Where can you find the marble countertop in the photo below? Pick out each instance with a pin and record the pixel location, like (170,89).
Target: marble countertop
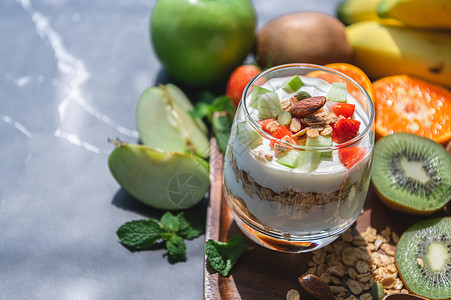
(71,75)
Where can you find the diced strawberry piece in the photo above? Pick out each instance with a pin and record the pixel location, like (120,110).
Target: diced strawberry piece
(345,130)
(350,156)
(344,109)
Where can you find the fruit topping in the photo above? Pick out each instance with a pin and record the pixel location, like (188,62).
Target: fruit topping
(351,156)
(292,84)
(337,92)
(258,90)
(268,105)
(343,109)
(345,130)
(319,141)
(284,118)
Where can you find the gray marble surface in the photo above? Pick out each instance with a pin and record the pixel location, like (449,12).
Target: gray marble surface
(71,74)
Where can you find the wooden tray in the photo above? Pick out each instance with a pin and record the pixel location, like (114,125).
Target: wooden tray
(267,274)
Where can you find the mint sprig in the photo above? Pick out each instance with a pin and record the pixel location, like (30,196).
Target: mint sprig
(222,256)
(219,113)
(172,230)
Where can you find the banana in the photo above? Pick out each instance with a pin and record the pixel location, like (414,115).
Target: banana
(431,14)
(382,50)
(352,11)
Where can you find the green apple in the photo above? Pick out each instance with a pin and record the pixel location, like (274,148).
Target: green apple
(200,42)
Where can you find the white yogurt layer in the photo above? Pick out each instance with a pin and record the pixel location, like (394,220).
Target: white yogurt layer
(326,178)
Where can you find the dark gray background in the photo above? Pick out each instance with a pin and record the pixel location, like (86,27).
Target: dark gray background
(71,74)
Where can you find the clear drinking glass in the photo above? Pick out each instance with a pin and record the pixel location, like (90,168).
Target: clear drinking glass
(303,201)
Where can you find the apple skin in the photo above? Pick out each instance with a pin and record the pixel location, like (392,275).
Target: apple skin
(200,42)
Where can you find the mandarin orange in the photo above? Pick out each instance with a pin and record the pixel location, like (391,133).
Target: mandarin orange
(408,104)
(352,71)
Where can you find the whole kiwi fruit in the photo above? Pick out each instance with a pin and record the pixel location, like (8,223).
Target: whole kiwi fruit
(423,258)
(411,173)
(302,37)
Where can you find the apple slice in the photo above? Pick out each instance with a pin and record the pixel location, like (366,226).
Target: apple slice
(320,141)
(292,84)
(163,122)
(268,105)
(337,92)
(182,102)
(258,90)
(301,160)
(163,180)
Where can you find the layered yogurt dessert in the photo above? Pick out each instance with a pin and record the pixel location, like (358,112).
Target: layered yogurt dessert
(298,161)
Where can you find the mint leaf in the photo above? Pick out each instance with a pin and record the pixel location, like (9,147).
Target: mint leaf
(222,256)
(139,234)
(176,247)
(169,222)
(201,110)
(206,110)
(221,123)
(192,224)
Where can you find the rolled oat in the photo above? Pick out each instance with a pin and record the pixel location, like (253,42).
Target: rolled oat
(353,263)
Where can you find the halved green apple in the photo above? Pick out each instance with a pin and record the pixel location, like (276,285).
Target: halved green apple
(163,180)
(163,122)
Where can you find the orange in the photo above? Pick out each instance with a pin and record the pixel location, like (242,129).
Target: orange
(353,72)
(408,104)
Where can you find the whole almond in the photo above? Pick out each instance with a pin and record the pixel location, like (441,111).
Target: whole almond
(316,287)
(307,106)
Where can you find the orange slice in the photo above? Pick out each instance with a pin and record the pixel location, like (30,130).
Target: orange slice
(407,104)
(353,72)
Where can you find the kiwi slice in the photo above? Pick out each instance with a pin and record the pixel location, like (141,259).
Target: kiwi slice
(411,173)
(423,258)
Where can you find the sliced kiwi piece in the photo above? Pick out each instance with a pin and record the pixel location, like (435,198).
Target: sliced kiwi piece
(163,180)
(411,173)
(337,92)
(423,258)
(163,121)
(268,105)
(284,118)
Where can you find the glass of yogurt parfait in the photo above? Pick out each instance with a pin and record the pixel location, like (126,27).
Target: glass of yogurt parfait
(297,166)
